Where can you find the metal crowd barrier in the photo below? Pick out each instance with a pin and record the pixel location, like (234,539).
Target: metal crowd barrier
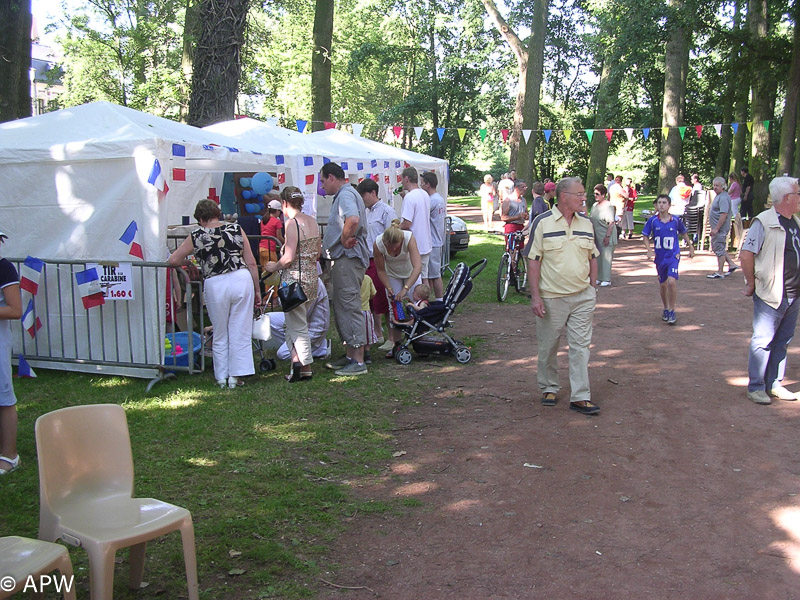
(121,336)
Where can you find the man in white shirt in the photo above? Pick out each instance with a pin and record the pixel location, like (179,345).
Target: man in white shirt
(416,215)
(679,195)
(438,213)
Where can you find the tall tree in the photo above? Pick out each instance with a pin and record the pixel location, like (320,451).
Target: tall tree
(676,67)
(15,59)
(321,64)
(789,125)
(605,112)
(530,64)
(763,94)
(217,61)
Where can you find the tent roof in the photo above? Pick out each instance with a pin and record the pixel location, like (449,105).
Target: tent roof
(102,130)
(334,140)
(271,138)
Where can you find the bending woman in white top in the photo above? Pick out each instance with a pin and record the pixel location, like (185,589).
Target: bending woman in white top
(398,263)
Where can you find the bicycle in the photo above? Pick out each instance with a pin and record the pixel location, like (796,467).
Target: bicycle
(513,266)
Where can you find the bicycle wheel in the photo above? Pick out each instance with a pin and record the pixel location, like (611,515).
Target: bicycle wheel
(503,275)
(521,278)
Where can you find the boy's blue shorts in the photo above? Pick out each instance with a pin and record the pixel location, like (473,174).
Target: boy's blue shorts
(668,268)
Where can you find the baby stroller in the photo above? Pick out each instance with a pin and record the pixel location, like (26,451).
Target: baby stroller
(262,332)
(425,332)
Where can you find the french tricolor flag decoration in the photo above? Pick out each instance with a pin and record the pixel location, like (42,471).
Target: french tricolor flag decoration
(24,369)
(30,273)
(156,178)
(89,288)
(129,238)
(31,323)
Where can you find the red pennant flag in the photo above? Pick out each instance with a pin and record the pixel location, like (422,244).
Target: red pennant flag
(698,129)
(178,174)
(505,134)
(310,179)
(398,131)
(329,125)
(609,133)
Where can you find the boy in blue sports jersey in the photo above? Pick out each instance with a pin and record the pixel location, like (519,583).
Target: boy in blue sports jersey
(665,230)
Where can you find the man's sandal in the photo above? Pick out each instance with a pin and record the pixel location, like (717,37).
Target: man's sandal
(13,462)
(549,399)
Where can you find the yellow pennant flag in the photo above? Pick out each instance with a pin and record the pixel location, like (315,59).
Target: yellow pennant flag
(461,132)
(568,133)
(665,132)
(750,126)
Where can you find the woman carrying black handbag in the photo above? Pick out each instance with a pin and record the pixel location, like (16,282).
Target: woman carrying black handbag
(298,267)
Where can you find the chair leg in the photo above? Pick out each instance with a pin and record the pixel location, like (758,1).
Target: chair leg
(64,566)
(189,558)
(137,565)
(101,571)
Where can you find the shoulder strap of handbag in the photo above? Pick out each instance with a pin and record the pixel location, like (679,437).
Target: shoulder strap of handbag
(299,266)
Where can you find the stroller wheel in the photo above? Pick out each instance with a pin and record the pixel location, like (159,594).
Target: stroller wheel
(463,355)
(267,364)
(403,355)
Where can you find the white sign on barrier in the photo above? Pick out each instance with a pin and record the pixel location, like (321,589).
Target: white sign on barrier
(116,280)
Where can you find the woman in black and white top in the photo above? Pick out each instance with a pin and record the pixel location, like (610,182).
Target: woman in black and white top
(230,286)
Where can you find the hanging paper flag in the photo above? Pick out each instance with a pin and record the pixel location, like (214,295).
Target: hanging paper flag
(156,178)
(308,161)
(504,132)
(526,133)
(665,132)
(281,178)
(440,132)
(628,132)
(589,133)
(750,126)
(609,133)
(178,158)
(30,273)
(461,133)
(482,133)
(718,129)
(24,369)
(418,132)
(698,129)
(646,133)
(398,131)
(330,125)
(373,163)
(272,121)
(301,125)
(359,166)
(129,238)
(89,288)
(178,174)
(735,127)
(212,195)
(547,134)
(357,129)
(766,125)
(30,323)
(568,133)
(397,164)
(310,179)
(682,131)
(325,160)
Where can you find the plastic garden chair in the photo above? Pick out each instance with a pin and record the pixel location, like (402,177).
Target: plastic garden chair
(86,495)
(21,558)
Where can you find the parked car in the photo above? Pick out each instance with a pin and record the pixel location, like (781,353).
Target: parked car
(459,236)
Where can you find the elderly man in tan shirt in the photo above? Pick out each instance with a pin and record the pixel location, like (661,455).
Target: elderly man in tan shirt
(562,265)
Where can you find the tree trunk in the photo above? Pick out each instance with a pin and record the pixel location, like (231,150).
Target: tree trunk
(217,61)
(789,124)
(435,150)
(724,154)
(15,59)
(605,113)
(739,149)
(676,66)
(763,93)
(321,65)
(190,25)
(530,100)
(796,166)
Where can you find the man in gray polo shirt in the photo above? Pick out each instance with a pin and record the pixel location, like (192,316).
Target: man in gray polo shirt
(345,245)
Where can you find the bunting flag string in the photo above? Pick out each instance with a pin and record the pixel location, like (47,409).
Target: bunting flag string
(609,133)
(547,134)
(462,131)
(357,129)
(526,133)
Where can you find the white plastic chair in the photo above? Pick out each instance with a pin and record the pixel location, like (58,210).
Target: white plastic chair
(21,558)
(86,495)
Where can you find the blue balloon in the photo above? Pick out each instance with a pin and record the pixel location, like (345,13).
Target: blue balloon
(261,206)
(244,182)
(261,183)
(247,194)
(250,207)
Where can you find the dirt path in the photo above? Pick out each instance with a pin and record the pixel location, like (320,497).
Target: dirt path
(680,488)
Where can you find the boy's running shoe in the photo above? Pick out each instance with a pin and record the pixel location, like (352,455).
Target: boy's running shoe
(665,316)
(671,318)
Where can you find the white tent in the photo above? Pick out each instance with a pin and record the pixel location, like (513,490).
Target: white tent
(73,181)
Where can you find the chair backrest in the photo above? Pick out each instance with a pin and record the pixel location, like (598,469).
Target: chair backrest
(83,450)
